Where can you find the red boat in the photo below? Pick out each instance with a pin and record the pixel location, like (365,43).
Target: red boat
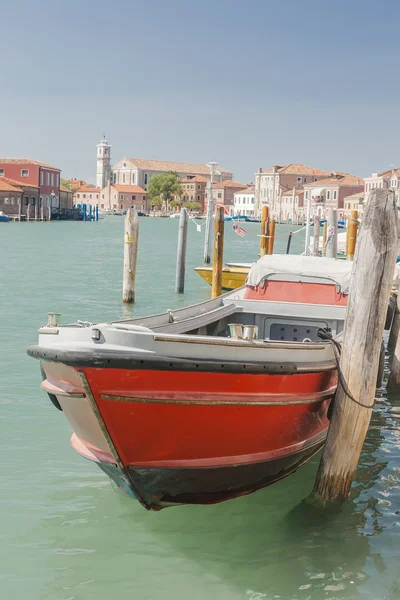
(208,402)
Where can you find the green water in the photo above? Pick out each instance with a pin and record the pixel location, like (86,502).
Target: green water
(67,534)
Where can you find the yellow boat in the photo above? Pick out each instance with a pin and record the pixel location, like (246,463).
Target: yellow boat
(233,275)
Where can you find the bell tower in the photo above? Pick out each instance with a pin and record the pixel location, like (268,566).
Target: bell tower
(103,163)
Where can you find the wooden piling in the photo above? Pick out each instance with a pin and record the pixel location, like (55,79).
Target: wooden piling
(324,232)
(393,384)
(36,208)
(352,234)
(331,241)
(371,280)
(264,231)
(218,252)
(317,225)
(289,242)
(395,327)
(181,255)
(271,238)
(131,239)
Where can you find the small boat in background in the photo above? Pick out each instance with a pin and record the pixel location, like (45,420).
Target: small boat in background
(233,274)
(211,401)
(4,218)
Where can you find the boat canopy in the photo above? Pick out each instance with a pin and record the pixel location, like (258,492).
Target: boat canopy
(297,267)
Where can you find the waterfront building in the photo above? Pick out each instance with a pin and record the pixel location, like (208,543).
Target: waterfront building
(387,180)
(291,206)
(329,193)
(271,183)
(66,197)
(137,171)
(18,198)
(194,187)
(122,197)
(42,175)
(353,202)
(223,192)
(244,202)
(87,194)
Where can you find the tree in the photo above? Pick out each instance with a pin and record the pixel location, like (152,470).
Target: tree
(174,203)
(165,185)
(70,185)
(156,201)
(192,205)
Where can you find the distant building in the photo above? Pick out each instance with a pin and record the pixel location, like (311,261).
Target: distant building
(122,197)
(223,192)
(137,171)
(66,197)
(291,208)
(353,202)
(103,175)
(194,187)
(46,177)
(330,193)
(244,202)
(387,180)
(271,183)
(19,198)
(87,194)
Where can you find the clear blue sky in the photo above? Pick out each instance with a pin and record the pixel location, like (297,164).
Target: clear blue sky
(247,84)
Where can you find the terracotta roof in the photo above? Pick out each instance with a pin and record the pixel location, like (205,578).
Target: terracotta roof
(229,183)
(161,165)
(296,169)
(358,195)
(17,183)
(88,189)
(390,172)
(7,187)
(129,189)
(195,179)
(296,192)
(25,161)
(249,190)
(338,179)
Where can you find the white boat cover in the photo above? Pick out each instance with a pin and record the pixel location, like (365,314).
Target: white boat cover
(338,271)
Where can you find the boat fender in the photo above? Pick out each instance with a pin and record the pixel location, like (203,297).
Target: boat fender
(52,397)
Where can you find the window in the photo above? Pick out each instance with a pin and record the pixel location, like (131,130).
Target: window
(328,195)
(24,173)
(1,172)
(145,179)
(83,195)
(133,178)
(102,196)
(306,195)
(101,205)
(219,194)
(124,164)
(47,178)
(114,178)
(299,180)
(122,206)
(335,195)
(198,198)
(40,201)
(12,200)
(6,200)
(52,179)
(26,201)
(114,206)
(123,177)
(199,187)
(121,197)
(133,197)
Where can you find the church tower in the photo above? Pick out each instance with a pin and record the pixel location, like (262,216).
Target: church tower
(103,163)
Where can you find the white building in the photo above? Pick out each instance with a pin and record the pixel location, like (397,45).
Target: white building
(103,175)
(388,180)
(243,202)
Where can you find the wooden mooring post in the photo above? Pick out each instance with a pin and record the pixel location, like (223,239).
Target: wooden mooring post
(324,232)
(271,237)
(264,231)
(181,255)
(331,240)
(393,384)
(371,280)
(352,234)
(131,239)
(218,252)
(395,327)
(317,225)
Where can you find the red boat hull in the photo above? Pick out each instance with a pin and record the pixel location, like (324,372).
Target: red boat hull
(195,437)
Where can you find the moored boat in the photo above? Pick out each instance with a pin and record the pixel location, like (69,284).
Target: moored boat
(208,402)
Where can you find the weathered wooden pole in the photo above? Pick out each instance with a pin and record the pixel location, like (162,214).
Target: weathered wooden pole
(218,252)
(352,234)
(324,232)
(317,225)
(371,280)
(131,239)
(395,327)
(28,211)
(331,241)
(271,238)
(264,231)
(289,242)
(181,255)
(36,208)
(19,208)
